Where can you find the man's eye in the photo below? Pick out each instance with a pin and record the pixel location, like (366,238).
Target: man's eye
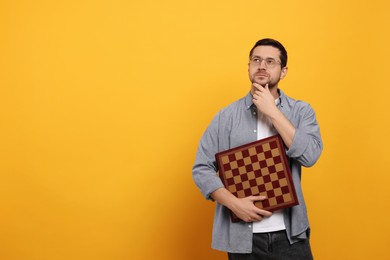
(257,60)
(270,61)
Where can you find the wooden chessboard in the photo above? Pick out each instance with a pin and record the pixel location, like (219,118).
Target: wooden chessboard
(258,168)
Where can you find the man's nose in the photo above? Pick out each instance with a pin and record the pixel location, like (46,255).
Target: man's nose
(262,65)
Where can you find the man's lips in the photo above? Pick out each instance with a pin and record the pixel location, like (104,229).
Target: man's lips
(261,75)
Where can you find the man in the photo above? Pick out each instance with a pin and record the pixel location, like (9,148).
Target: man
(263,112)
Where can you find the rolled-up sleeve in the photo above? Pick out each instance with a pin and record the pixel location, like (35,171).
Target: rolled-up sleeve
(204,171)
(307,143)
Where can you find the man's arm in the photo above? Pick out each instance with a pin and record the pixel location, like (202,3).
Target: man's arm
(265,102)
(304,143)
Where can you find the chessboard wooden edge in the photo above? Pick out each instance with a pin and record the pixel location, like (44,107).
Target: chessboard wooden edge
(277,138)
(240,147)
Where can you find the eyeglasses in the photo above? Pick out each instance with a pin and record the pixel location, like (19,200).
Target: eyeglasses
(269,62)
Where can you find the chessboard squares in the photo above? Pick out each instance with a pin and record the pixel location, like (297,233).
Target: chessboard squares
(263,164)
(285,189)
(287,197)
(235,172)
(254,158)
(237,179)
(249,168)
(258,173)
(252,151)
(268,154)
(246,185)
(229,158)
(270,194)
(227,167)
(240,163)
(275,184)
(279,168)
(229,174)
(278,192)
(259,149)
(238,186)
(225,160)
(268,186)
(239,156)
(283,182)
(256,166)
(264,203)
(260,157)
(245,153)
(270,161)
(271,169)
(244,178)
(275,152)
(274,176)
(230,181)
(272,201)
(280,199)
(247,161)
(253,182)
(244,193)
(261,188)
(273,144)
(242,170)
(266,147)
(251,176)
(254,190)
(264,171)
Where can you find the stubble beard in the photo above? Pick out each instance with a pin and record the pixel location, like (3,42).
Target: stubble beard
(263,83)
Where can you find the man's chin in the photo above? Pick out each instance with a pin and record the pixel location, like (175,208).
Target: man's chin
(262,82)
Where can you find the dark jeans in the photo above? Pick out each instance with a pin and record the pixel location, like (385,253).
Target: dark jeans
(275,246)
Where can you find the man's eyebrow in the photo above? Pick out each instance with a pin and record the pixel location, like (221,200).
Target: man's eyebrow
(256,56)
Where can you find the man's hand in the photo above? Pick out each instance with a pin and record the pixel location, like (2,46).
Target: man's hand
(246,210)
(264,100)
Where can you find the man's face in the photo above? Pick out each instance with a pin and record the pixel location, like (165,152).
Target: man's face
(258,70)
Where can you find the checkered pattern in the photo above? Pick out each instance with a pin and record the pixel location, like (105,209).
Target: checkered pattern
(259,168)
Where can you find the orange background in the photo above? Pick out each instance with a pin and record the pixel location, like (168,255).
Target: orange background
(102,105)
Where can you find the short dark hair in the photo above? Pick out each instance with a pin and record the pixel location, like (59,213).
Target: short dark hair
(273,43)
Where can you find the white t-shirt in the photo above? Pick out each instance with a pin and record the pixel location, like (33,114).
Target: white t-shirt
(276,221)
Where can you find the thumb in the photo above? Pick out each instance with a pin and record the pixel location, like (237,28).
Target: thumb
(266,87)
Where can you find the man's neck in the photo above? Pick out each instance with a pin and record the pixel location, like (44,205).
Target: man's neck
(274,92)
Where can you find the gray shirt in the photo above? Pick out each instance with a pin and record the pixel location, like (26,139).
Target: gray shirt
(237,125)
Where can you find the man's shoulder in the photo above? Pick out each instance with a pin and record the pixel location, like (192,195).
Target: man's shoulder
(292,103)
(240,104)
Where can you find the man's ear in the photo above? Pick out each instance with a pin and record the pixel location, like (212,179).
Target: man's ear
(284,72)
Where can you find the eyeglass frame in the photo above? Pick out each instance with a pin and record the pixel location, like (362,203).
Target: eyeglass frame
(267,60)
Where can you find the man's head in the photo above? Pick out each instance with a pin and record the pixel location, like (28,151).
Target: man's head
(267,63)
(275,44)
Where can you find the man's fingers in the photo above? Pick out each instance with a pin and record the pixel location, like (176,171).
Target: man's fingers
(257,198)
(264,213)
(259,211)
(258,86)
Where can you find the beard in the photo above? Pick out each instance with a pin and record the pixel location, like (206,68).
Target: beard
(263,80)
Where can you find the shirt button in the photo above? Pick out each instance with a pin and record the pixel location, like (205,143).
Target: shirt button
(255,130)
(250,226)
